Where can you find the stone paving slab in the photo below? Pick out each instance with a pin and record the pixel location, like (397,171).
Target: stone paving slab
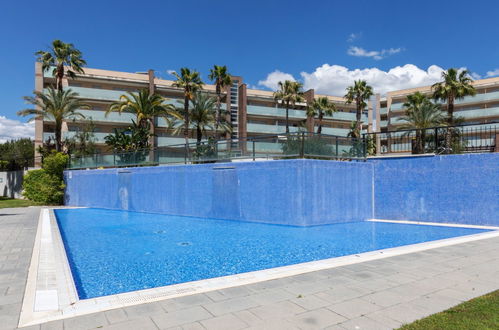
(379,294)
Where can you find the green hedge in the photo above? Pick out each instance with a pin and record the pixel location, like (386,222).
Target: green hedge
(46,186)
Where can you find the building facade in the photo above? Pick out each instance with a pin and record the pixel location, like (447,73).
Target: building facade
(253,112)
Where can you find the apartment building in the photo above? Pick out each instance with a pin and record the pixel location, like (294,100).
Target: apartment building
(253,112)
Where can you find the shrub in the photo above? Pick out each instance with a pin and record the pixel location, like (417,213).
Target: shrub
(44,188)
(55,164)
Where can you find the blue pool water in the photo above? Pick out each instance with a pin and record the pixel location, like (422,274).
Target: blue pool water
(117,251)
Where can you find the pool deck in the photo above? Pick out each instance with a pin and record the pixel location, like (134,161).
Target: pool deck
(379,294)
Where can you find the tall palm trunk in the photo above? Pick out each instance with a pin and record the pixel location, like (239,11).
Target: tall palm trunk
(186,122)
(358,115)
(321,116)
(217,115)
(199,135)
(59,76)
(423,140)
(58,135)
(450,121)
(287,117)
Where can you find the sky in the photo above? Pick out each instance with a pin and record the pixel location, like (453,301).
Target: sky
(324,44)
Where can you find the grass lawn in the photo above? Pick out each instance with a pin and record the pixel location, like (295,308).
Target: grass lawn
(10,202)
(478,313)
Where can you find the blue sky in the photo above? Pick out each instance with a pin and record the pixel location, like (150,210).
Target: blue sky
(324,44)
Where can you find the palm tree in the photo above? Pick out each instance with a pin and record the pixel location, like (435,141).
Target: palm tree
(360,92)
(202,116)
(320,107)
(190,82)
(455,85)
(59,56)
(146,107)
(54,105)
(420,115)
(289,93)
(222,80)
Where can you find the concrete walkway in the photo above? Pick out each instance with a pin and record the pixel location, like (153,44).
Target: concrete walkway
(381,294)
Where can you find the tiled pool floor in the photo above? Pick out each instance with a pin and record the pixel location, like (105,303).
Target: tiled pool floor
(379,294)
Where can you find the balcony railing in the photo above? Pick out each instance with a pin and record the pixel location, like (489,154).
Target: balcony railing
(285,146)
(438,140)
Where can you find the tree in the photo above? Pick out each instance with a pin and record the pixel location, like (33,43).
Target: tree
(190,82)
(222,80)
(17,154)
(83,142)
(133,138)
(455,85)
(360,92)
(202,114)
(320,107)
(420,115)
(59,56)
(289,93)
(56,105)
(145,106)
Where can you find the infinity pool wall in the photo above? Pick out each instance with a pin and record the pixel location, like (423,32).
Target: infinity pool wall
(292,192)
(460,189)
(452,189)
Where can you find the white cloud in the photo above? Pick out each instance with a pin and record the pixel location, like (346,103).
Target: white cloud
(14,129)
(476,76)
(334,79)
(375,54)
(492,73)
(273,78)
(354,36)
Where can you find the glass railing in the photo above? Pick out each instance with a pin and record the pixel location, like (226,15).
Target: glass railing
(438,140)
(494,96)
(269,129)
(285,146)
(275,112)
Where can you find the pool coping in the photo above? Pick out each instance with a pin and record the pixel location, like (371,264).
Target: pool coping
(51,293)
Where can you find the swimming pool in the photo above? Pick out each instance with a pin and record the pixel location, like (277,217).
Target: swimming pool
(112,252)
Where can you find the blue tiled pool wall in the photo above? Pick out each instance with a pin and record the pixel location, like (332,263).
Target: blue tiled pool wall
(451,189)
(291,192)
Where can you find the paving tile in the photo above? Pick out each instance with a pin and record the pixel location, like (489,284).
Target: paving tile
(54,325)
(247,317)
(354,308)
(139,311)
(116,315)
(384,298)
(231,305)
(86,322)
(310,302)
(180,317)
(403,313)
(185,302)
(144,323)
(272,296)
(224,322)
(317,319)
(364,323)
(277,310)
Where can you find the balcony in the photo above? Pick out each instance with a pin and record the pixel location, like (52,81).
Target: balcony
(275,112)
(269,129)
(494,96)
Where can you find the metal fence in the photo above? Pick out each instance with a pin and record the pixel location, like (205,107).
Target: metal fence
(282,146)
(439,140)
